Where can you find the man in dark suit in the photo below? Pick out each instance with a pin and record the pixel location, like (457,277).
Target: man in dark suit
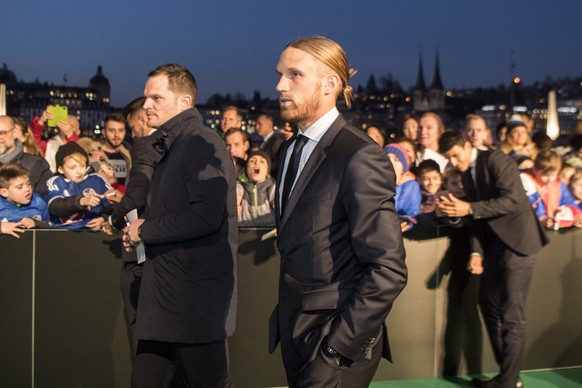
(342,255)
(272,141)
(510,237)
(187,300)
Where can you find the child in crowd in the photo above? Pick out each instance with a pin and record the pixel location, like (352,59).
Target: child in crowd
(566,173)
(410,147)
(256,198)
(575,187)
(553,203)
(407,190)
(20,207)
(77,199)
(430,181)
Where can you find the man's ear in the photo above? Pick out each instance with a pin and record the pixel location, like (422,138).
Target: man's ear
(60,170)
(331,83)
(185,101)
(4,193)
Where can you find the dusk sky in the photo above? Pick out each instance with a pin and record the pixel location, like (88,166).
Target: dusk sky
(233,46)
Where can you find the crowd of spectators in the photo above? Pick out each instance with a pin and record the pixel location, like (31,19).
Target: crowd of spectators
(550,175)
(82,180)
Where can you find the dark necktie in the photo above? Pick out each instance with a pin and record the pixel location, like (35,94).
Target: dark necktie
(469,185)
(292,168)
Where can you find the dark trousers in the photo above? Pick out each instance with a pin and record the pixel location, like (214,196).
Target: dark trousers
(325,373)
(203,365)
(504,285)
(130,282)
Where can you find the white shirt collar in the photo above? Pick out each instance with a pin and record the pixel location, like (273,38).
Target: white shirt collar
(473,157)
(318,128)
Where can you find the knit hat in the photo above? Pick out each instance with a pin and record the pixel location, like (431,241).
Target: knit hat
(400,152)
(69,149)
(514,121)
(263,155)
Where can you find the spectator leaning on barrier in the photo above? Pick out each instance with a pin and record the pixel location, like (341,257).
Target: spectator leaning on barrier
(77,199)
(554,204)
(18,203)
(408,194)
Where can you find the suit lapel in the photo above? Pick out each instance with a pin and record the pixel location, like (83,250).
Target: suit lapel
(315,159)
(284,149)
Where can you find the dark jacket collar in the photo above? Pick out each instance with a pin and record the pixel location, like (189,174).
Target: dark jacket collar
(177,124)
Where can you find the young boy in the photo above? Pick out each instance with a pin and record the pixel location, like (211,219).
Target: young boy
(431,182)
(256,198)
(20,207)
(548,194)
(77,199)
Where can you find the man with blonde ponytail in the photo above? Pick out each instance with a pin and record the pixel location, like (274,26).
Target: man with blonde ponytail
(342,256)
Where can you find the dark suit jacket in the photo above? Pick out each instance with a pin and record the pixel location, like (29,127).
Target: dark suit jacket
(272,147)
(503,204)
(144,158)
(342,254)
(188,288)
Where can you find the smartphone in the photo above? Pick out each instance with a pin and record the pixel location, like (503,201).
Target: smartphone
(443,193)
(60,113)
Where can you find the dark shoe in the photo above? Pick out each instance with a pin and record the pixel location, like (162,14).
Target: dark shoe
(492,383)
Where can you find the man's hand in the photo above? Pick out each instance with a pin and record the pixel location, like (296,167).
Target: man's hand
(113,196)
(475,265)
(131,236)
(453,206)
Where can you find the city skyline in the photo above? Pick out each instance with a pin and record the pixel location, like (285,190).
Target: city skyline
(233,47)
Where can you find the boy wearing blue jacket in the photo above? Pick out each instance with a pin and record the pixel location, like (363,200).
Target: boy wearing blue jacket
(77,199)
(20,207)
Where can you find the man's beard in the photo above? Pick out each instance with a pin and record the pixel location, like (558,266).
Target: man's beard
(304,111)
(113,146)
(5,148)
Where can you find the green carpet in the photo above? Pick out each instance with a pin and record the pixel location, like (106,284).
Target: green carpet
(554,378)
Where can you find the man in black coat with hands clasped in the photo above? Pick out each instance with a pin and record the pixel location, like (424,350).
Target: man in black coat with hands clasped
(187,302)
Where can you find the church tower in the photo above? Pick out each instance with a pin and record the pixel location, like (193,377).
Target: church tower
(420,93)
(436,92)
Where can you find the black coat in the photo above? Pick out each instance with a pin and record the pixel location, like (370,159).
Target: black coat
(188,290)
(144,158)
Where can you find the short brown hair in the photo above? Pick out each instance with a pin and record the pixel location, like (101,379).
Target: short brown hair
(11,171)
(180,80)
